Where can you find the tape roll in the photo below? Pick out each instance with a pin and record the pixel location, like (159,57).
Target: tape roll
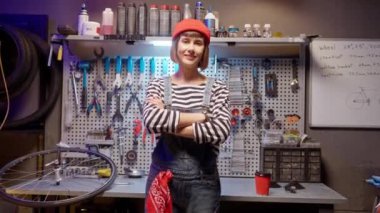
(131,155)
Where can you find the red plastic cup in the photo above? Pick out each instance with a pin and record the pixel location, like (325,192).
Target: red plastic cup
(262,183)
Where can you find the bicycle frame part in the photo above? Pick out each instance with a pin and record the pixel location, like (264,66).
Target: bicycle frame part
(69,175)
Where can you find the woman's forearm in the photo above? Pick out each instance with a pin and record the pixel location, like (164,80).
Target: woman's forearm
(187,119)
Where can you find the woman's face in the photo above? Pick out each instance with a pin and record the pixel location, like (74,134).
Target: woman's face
(190,49)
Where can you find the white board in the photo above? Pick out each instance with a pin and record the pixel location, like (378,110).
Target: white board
(345,83)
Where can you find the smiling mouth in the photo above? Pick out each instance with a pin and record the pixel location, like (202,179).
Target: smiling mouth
(190,57)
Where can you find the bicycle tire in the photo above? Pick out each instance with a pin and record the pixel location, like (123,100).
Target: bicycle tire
(26,186)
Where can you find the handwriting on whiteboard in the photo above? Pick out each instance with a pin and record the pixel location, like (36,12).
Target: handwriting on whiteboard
(352,59)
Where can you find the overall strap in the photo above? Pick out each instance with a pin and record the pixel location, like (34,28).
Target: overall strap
(207,94)
(167,91)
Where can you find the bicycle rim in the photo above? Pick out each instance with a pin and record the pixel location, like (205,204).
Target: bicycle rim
(33,181)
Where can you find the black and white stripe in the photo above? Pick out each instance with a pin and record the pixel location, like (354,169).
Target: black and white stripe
(214,132)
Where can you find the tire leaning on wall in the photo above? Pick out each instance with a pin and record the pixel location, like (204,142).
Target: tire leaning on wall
(25,55)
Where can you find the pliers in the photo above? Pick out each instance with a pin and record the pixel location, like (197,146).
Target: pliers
(95,103)
(130,100)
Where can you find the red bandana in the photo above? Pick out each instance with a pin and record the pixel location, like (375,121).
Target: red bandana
(159,199)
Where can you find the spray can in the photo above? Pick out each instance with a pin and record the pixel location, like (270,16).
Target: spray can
(82,17)
(199,11)
(175,17)
(131,20)
(120,22)
(142,14)
(210,22)
(187,12)
(107,21)
(153,20)
(164,20)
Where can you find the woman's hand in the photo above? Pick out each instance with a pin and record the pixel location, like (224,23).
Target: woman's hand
(156,101)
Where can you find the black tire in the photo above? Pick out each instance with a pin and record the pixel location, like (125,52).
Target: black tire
(24,185)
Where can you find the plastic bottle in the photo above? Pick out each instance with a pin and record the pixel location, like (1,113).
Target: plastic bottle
(153,20)
(175,17)
(187,12)
(247,30)
(121,16)
(256,30)
(107,21)
(82,17)
(164,20)
(142,19)
(210,22)
(199,11)
(266,31)
(131,20)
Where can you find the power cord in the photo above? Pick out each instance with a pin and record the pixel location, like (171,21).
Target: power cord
(6,91)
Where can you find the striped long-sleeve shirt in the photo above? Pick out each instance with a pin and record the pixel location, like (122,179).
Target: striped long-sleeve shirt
(214,131)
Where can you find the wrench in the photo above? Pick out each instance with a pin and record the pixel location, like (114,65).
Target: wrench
(98,81)
(117,117)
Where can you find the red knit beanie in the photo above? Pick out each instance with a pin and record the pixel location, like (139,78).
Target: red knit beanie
(191,25)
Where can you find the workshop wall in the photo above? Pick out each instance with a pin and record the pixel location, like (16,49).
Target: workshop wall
(349,155)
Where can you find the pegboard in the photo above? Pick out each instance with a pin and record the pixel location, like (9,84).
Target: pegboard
(239,155)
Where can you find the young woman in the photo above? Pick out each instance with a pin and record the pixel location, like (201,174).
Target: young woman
(189,113)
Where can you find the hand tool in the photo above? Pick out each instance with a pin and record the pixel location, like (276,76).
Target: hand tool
(109,102)
(84,66)
(152,64)
(165,67)
(98,81)
(117,83)
(294,85)
(129,80)
(141,75)
(74,86)
(68,106)
(130,100)
(107,65)
(117,117)
(94,103)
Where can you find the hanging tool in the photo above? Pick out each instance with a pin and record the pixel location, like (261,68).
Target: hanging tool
(107,65)
(108,102)
(152,64)
(95,103)
(117,83)
(141,75)
(99,81)
(117,117)
(129,80)
(294,85)
(130,100)
(133,97)
(137,127)
(84,66)
(165,67)
(73,66)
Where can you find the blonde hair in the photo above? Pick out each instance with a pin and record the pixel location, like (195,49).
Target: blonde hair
(203,63)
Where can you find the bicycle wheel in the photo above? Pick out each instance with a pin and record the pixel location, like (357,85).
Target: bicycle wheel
(56,177)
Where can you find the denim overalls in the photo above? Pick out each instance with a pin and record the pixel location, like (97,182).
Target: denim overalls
(195,186)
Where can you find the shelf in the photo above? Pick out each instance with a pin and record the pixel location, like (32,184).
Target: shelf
(159,46)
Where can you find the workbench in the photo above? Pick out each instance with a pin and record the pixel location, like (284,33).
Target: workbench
(317,195)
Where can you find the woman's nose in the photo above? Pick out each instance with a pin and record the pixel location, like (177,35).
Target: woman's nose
(190,47)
